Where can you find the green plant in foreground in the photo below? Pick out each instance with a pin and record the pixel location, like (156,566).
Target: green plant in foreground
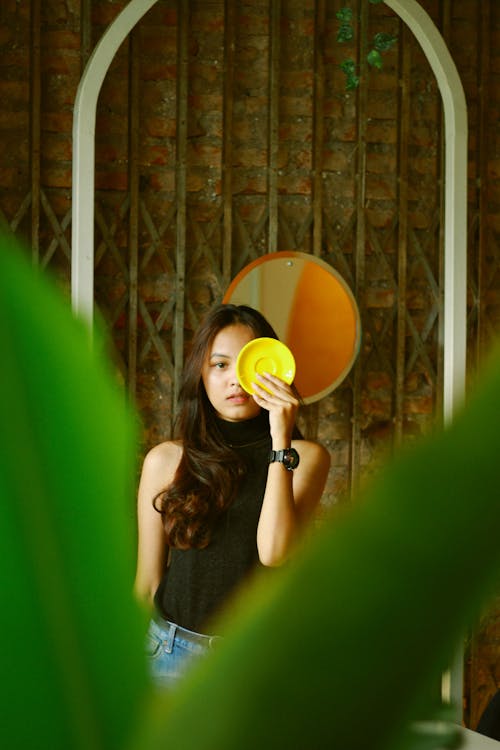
(72,668)
(339,649)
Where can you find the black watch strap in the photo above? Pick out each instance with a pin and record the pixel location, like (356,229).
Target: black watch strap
(288,457)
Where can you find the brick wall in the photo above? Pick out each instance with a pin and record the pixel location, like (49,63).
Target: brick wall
(363,144)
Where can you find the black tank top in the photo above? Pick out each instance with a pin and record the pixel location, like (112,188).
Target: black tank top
(198,583)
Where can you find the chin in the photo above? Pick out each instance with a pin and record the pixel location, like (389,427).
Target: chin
(239,412)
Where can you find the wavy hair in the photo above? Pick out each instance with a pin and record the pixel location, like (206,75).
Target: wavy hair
(209,471)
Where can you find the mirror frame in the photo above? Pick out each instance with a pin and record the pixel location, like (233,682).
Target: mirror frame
(305,258)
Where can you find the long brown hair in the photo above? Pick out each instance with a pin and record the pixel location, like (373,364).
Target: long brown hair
(209,471)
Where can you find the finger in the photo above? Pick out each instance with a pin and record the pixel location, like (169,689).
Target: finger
(269,399)
(261,392)
(274,384)
(272,378)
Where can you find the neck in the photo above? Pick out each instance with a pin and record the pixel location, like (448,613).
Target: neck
(246,431)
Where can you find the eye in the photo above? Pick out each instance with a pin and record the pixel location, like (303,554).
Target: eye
(220,365)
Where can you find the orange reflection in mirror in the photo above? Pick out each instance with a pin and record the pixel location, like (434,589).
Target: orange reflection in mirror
(322,330)
(312,310)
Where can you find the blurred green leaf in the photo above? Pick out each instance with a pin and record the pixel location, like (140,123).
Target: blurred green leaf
(344,15)
(345,33)
(433,735)
(384,42)
(374,59)
(341,649)
(352,82)
(72,665)
(349,68)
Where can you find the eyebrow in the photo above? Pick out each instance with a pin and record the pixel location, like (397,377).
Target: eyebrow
(214,354)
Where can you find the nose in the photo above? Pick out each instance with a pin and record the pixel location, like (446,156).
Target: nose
(233,378)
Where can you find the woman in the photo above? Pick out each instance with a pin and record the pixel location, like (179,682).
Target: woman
(217,504)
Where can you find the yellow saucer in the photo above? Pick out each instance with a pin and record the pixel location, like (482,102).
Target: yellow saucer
(264,355)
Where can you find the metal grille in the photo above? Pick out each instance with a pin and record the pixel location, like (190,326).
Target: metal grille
(221,138)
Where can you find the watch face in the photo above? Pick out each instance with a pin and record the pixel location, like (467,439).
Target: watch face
(291,458)
(288,457)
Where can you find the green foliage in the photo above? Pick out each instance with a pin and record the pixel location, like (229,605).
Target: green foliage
(382,42)
(341,648)
(349,68)
(344,15)
(346,30)
(375,59)
(345,33)
(70,677)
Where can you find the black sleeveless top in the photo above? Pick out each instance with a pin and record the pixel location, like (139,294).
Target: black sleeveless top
(197,582)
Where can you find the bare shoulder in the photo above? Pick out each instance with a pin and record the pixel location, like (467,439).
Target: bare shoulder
(170,450)
(162,460)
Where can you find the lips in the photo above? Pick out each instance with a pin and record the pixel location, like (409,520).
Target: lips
(238,398)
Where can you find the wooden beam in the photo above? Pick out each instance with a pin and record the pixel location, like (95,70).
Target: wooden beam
(360,247)
(133,229)
(402,246)
(318,126)
(484,45)
(35,128)
(181,195)
(227,144)
(273,134)
(85,31)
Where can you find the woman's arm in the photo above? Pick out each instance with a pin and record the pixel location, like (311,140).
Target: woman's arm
(158,472)
(290,497)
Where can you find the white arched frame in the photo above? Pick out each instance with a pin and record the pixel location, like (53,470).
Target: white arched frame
(455,197)
(455,192)
(84,118)
(455,225)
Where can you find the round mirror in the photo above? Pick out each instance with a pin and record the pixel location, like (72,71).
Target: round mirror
(311,309)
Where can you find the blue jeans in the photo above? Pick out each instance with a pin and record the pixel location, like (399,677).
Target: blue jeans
(171,649)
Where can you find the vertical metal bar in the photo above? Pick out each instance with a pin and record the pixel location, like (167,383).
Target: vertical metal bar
(473,663)
(85,32)
(311,414)
(482,165)
(181,193)
(318,126)
(472,714)
(403,135)
(274,82)
(227,145)
(133,231)
(359,278)
(35,76)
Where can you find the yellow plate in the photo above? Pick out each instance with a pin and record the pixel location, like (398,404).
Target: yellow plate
(264,355)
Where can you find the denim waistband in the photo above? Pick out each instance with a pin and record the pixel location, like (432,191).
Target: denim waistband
(172,630)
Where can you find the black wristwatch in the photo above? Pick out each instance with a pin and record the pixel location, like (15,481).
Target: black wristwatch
(288,457)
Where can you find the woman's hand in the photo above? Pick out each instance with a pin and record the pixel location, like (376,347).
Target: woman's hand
(278,398)
(290,497)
